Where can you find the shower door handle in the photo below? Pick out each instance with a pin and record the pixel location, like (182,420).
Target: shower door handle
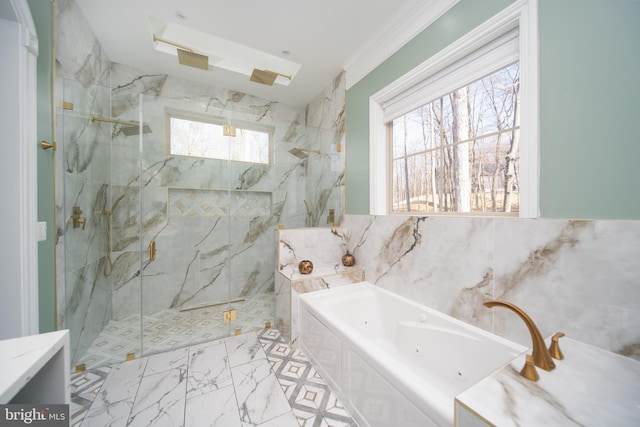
(152,250)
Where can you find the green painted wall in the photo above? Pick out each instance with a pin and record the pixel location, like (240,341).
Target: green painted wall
(589,94)
(42,13)
(589,86)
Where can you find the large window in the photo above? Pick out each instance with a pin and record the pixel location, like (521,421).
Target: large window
(459,133)
(209,137)
(460,152)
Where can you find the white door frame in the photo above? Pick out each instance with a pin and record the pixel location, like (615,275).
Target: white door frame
(18,171)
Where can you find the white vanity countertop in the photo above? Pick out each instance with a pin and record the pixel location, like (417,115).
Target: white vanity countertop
(590,387)
(21,358)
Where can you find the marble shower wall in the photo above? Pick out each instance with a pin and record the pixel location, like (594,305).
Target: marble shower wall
(578,277)
(82,177)
(185,199)
(325,184)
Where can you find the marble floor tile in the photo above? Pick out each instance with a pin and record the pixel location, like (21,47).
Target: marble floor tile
(218,408)
(244,348)
(285,420)
(208,369)
(115,415)
(251,380)
(167,360)
(160,400)
(121,383)
(259,395)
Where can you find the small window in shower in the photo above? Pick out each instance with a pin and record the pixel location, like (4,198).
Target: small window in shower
(213,138)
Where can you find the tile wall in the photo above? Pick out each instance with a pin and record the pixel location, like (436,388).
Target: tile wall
(578,277)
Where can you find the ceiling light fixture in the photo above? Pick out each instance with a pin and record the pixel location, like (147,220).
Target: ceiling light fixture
(222,53)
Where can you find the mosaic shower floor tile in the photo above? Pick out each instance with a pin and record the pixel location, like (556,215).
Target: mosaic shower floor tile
(169,329)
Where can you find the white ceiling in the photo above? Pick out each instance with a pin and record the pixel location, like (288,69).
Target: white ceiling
(324,36)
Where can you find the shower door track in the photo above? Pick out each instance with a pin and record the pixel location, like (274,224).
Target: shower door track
(211,305)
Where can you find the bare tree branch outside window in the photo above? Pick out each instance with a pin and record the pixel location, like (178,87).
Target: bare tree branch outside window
(460,152)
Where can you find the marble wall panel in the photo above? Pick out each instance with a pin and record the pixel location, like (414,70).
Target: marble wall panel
(283,304)
(79,56)
(325,171)
(319,245)
(578,277)
(82,177)
(252,243)
(88,303)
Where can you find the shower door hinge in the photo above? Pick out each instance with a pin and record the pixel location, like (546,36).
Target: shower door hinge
(229,130)
(152,250)
(230,315)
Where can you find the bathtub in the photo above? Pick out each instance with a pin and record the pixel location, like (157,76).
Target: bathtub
(391,361)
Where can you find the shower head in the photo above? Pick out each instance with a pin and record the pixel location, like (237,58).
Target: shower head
(193,59)
(301,153)
(266,77)
(134,130)
(128,128)
(186,55)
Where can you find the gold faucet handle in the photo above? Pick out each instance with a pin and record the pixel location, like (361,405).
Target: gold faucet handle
(554,348)
(529,369)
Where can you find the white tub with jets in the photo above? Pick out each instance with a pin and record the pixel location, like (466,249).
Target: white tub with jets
(394,362)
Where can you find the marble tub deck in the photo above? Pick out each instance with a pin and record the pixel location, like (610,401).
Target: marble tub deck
(253,379)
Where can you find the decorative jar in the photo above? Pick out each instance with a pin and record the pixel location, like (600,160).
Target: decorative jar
(305,266)
(348,260)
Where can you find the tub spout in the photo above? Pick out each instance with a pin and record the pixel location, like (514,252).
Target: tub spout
(541,356)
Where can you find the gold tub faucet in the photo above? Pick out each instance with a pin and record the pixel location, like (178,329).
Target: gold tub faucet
(541,356)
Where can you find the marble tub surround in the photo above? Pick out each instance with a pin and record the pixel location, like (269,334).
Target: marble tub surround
(589,387)
(578,277)
(289,289)
(324,247)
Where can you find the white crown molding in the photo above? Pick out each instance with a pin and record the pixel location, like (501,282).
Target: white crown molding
(413,17)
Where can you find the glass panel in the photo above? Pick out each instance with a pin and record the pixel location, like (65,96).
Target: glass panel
(185,212)
(460,153)
(102,289)
(197,138)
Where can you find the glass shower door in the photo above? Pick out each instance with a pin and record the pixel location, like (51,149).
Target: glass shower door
(184,225)
(102,295)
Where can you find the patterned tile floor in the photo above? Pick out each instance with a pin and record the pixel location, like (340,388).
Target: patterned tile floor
(310,401)
(172,328)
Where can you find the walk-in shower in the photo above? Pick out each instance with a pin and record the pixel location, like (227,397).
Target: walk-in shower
(175,249)
(211,273)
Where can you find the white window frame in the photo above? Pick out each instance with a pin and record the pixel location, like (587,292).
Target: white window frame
(521,14)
